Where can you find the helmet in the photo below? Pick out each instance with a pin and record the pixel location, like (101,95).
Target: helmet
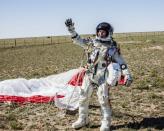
(107,27)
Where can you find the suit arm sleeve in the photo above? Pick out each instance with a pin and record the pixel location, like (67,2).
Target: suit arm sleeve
(80,41)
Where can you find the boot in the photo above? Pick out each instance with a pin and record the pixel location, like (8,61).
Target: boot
(106,120)
(103,96)
(105,125)
(83,119)
(85,94)
(81,122)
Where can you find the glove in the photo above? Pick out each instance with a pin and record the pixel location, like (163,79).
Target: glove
(70,25)
(128,80)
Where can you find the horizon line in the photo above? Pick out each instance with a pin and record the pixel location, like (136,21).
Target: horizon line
(26,37)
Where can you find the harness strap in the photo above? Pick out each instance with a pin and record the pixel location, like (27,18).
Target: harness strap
(96,65)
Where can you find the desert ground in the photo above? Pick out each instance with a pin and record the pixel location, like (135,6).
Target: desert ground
(138,107)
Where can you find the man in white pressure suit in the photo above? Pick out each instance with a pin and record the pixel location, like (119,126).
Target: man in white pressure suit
(105,67)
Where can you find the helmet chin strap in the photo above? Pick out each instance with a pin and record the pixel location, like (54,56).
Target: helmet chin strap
(108,38)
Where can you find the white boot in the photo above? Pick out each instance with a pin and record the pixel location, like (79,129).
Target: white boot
(85,94)
(105,125)
(80,123)
(103,96)
(106,121)
(83,114)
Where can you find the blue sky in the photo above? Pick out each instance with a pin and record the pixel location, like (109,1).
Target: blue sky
(26,18)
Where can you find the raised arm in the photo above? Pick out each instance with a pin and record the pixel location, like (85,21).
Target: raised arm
(74,35)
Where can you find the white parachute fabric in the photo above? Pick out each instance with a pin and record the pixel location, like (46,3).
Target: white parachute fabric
(70,99)
(53,85)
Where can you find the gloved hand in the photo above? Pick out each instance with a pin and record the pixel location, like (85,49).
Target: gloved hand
(128,80)
(70,25)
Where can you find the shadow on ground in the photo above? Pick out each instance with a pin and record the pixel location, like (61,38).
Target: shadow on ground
(156,123)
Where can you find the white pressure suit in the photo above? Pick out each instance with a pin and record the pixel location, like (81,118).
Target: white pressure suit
(105,68)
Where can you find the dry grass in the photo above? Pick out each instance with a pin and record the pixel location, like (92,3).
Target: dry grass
(139,107)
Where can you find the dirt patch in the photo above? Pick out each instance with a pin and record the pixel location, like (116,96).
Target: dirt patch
(129,42)
(154,48)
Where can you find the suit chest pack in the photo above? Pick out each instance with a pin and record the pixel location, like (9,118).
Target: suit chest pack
(107,52)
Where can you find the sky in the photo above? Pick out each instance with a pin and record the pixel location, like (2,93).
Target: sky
(34,18)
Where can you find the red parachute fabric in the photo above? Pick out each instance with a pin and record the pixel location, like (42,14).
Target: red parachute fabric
(77,79)
(32,99)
